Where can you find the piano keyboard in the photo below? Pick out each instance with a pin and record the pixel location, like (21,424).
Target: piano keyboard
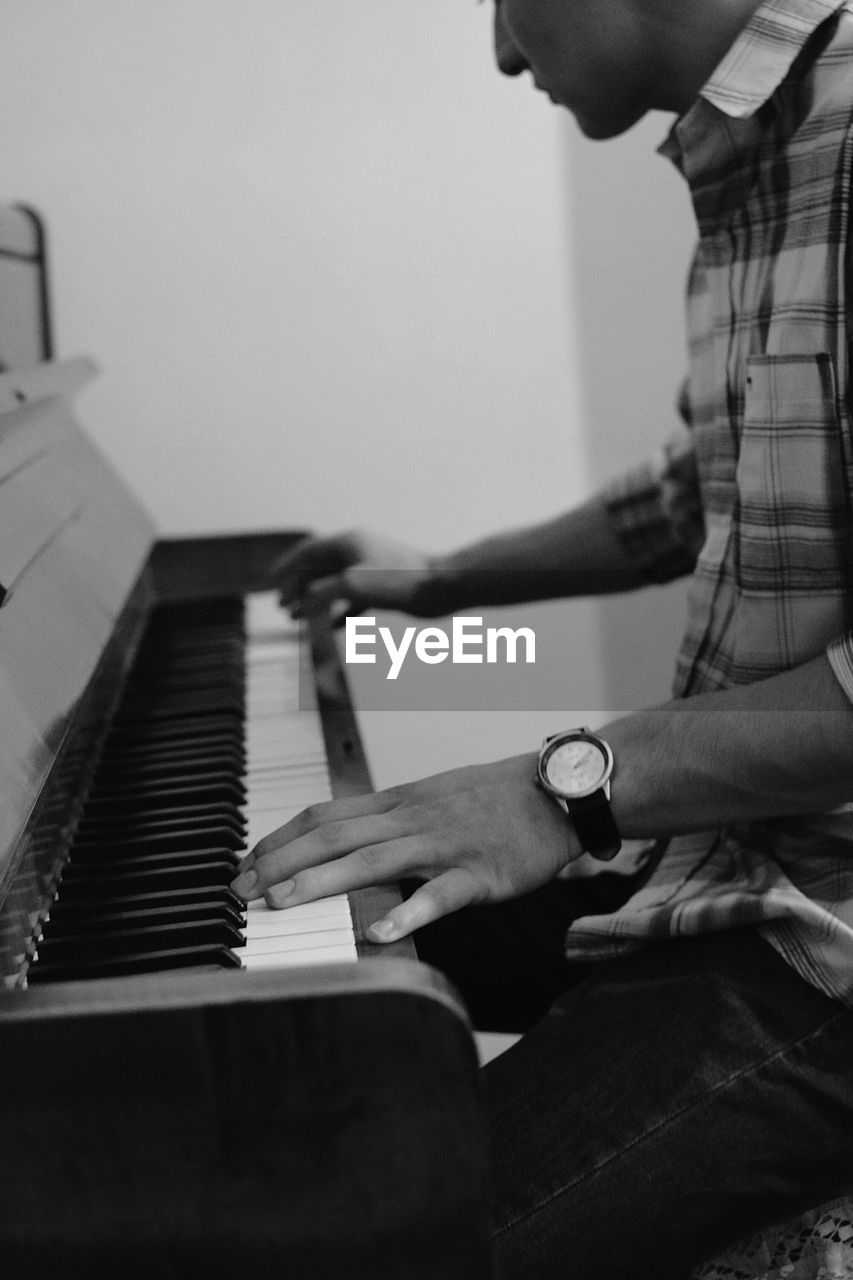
(216,742)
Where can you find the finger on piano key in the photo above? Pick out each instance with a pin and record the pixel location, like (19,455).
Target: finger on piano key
(264,614)
(259,913)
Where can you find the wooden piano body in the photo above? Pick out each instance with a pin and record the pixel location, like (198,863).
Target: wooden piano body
(320,1122)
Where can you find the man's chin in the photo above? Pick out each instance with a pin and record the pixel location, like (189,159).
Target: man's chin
(598,128)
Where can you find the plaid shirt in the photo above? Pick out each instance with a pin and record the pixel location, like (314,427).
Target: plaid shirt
(753,497)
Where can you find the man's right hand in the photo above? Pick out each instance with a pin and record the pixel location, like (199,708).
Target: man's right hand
(354,571)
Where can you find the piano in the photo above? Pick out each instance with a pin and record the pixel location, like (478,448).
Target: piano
(188,1088)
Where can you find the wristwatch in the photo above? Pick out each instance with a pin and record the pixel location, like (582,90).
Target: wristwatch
(575,767)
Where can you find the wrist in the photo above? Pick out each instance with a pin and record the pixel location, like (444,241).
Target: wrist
(442,588)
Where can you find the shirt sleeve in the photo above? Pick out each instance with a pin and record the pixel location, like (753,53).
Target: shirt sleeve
(840,654)
(656,512)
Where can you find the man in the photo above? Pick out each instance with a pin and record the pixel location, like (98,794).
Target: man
(685,1078)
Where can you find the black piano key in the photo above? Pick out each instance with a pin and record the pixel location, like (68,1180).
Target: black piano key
(151,707)
(158,660)
(157,768)
(152,788)
(167,630)
(111,941)
(171,638)
(208,897)
(123,752)
(184,681)
(98,887)
(186,615)
(120,865)
(216,658)
(187,727)
(168,619)
(166,634)
(172,764)
(111,831)
(144,962)
(69,923)
(162,819)
(199,814)
(224,790)
(213,720)
(213,609)
(193,670)
(99,850)
(180,711)
(192,747)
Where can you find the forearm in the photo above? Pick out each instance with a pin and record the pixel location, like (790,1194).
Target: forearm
(574,554)
(781,747)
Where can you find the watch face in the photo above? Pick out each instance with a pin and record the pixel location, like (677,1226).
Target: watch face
(576,767)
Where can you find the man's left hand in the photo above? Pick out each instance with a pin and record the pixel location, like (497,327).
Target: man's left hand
(478,834)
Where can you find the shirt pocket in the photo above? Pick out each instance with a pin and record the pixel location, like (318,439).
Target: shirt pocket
(791,530)
(792,520)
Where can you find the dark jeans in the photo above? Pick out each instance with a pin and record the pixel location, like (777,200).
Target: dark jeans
(662,1106)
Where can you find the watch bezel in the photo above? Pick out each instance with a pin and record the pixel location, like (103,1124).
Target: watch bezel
(552,744)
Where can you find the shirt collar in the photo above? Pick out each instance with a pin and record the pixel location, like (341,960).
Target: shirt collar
(726,119)
(763,54)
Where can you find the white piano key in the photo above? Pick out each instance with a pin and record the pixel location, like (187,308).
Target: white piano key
(344,953)
(337,906)
(289,943)
(259,929)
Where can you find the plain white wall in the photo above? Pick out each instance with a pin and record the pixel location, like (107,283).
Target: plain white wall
(317,247)
(326,258)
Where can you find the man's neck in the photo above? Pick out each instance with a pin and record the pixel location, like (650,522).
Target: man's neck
(694,36)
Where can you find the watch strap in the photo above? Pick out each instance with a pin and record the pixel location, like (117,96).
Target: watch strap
(595,826)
